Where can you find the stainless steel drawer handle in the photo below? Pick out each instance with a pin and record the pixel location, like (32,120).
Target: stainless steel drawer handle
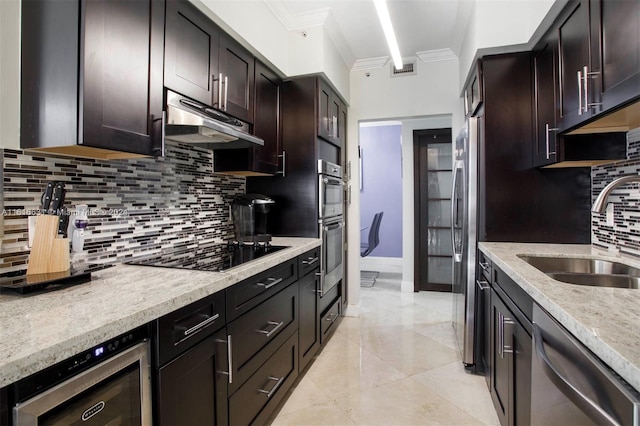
(229,360)
(310,261)
(201,325)
(273,390)
(484,266)
(268,333)
(483,285)
(273,282)
(331,317)
(597,413)
(502,348)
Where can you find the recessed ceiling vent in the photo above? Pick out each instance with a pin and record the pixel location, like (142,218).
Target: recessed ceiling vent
(407,69)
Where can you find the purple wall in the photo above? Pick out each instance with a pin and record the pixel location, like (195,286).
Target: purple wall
(382,186)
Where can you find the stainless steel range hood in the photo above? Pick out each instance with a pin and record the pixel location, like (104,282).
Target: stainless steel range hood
(191,122)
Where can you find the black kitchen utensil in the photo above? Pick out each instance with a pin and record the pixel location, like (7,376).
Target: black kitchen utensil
(64,222)
(46,197)
(57,198)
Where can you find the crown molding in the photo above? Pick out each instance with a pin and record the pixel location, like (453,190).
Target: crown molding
(436,55)
(291,21)
(370,63)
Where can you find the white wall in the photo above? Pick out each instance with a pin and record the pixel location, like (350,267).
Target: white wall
(504,25)
(10,74)
(434,93)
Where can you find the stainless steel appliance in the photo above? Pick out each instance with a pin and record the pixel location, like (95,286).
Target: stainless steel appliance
(463,235)
(570,386)
(189,121)
(331,197)
(330,189)
(249,213)
(107,384)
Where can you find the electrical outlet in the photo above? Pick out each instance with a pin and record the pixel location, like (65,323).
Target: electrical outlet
(610,214)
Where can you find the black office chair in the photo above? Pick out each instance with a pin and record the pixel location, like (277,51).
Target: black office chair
(374,236)
(368,278)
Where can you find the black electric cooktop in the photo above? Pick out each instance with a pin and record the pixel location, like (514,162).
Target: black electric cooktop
(217,258)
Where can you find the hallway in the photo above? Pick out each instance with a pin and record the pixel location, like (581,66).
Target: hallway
(395,365)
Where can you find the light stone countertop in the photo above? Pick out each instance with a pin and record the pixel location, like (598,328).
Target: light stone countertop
(39,330)
(605,320)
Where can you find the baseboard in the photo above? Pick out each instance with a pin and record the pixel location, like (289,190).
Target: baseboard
(381,264)
(407,286)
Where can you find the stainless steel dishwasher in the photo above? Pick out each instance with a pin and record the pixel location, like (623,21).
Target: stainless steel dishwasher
(571,386)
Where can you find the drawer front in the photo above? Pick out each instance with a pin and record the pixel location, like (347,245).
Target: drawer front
(251,292)
(484,266)
(255,401)
(258,333)
(185,327)
(308,261)
(329,320)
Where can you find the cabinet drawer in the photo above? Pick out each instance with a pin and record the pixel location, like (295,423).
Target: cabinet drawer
(185,327)
(258,333)
(252,291)
(308,261)
(255,400)
(484,266)
(329,320)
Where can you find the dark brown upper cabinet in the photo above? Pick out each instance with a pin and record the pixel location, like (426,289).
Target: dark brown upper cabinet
(262,160)
(237,73)
(92,77)
(331,111)
(473,93)
(545,78)
(205,64)
(191,53)
(599,54)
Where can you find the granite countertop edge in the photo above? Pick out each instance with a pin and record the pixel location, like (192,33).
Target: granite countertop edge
(40,330)
(605,320)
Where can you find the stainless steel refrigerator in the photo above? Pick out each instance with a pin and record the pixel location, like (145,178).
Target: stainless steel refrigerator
(464,236)
(497,193)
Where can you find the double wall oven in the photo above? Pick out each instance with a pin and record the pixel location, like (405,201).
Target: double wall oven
(331,222)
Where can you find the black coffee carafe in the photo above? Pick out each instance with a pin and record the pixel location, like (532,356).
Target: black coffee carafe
(249,213)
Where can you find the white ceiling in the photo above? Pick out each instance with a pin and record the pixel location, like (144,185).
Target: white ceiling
(420,25)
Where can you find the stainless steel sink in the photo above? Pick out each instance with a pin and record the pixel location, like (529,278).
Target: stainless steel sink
(592,272)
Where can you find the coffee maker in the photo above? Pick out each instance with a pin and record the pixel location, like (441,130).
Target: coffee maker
(249,213)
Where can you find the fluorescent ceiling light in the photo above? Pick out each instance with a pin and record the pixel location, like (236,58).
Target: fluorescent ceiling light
(387,27)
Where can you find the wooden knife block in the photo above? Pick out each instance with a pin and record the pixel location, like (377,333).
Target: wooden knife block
(48,253)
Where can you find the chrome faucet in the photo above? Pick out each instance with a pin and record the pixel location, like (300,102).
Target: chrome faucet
(601,201)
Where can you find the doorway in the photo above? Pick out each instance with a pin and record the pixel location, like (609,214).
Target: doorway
(381,209)
(432,157)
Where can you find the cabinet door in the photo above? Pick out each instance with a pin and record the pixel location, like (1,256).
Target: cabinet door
(308,329)
(237,69)
(267,118)
(324,110)
(121,83)
(574,55)
(192,389)
(191,53)
(618,23)
(511,362)
(501,317)
(545,82)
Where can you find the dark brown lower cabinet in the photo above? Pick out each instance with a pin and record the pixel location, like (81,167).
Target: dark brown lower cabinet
(254,401)
(308,329)
(510,365)
(192,389)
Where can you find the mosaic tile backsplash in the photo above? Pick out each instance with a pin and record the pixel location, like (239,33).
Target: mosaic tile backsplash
(136,207)
(624,235)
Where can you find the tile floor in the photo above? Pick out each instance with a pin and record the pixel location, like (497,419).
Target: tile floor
(397,364)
